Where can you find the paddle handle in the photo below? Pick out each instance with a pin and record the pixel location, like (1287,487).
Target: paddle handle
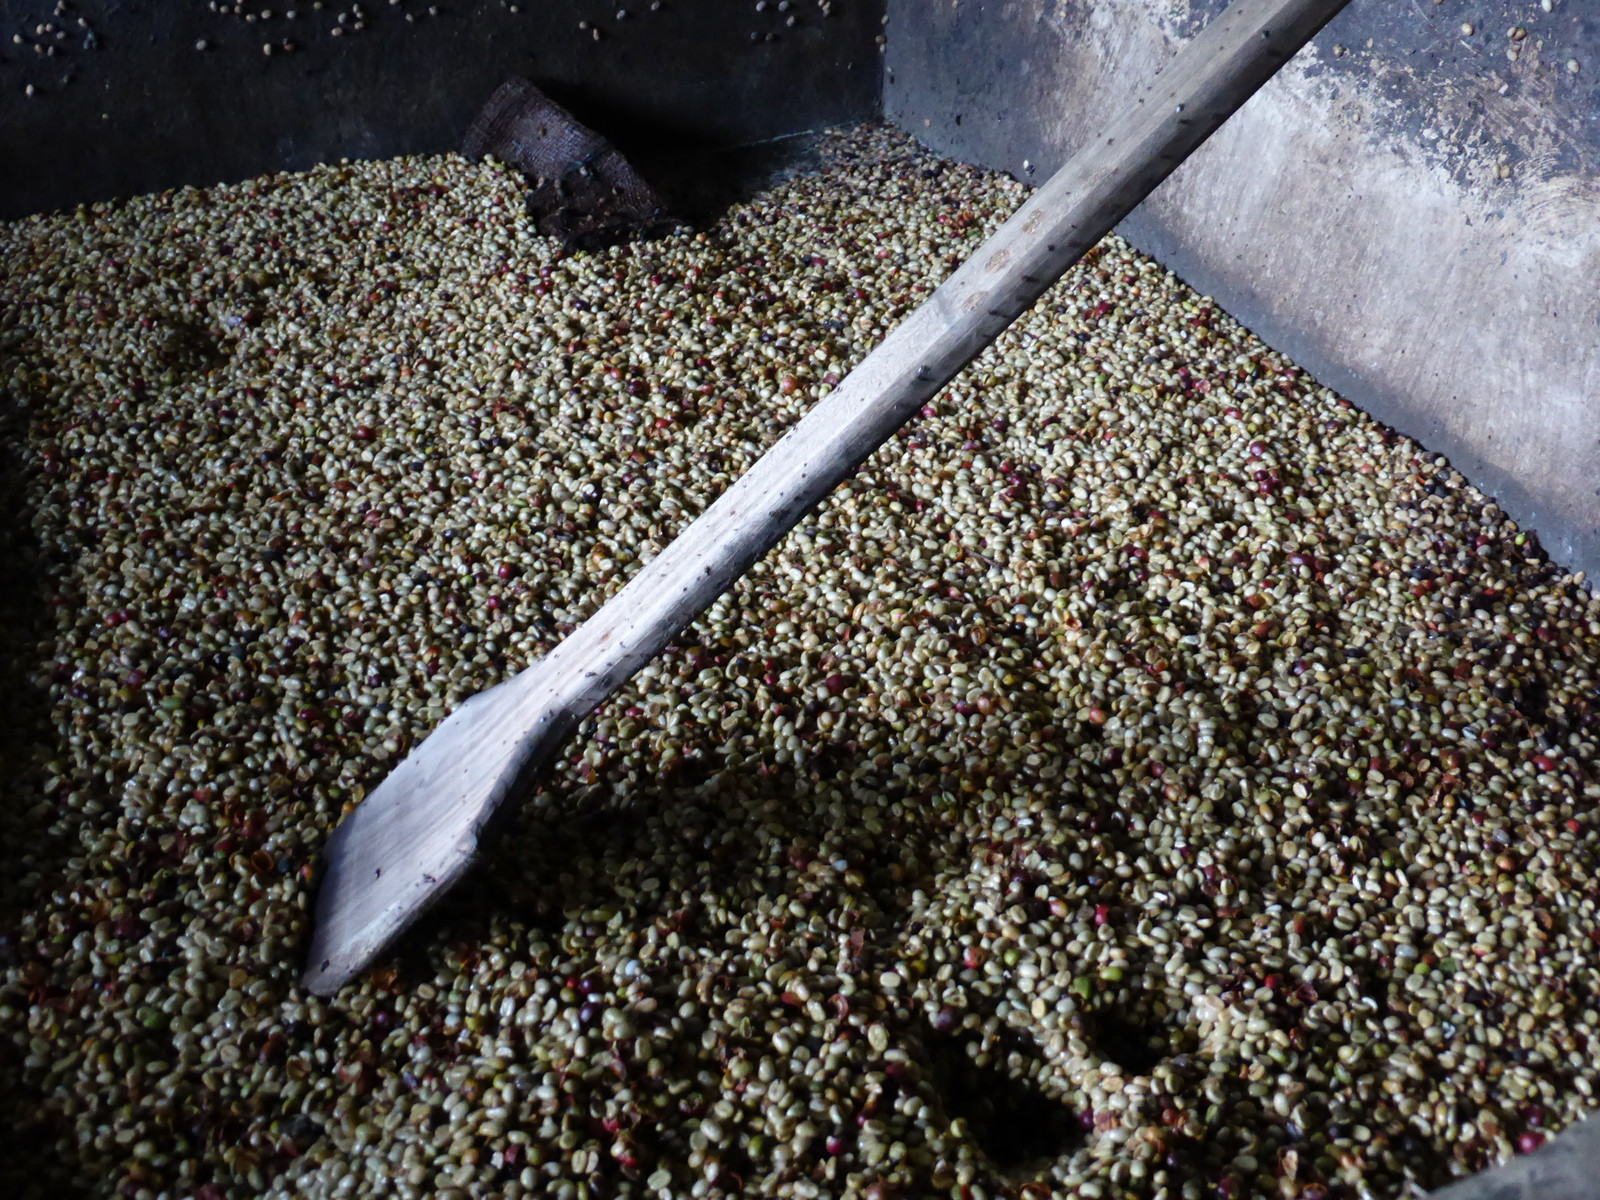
(407,842)
(1210,78)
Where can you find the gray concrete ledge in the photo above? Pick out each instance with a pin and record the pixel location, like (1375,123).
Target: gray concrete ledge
(1568,1168)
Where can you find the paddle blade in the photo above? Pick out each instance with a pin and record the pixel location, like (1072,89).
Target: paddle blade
(405,845)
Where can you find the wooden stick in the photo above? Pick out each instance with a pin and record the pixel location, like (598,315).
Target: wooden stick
(418,831)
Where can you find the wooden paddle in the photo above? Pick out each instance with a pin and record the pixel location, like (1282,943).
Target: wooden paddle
(415,835)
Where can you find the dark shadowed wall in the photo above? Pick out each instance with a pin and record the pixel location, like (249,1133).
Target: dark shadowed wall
(126,100)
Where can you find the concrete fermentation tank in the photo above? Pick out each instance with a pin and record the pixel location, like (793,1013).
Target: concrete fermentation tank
(1411,210)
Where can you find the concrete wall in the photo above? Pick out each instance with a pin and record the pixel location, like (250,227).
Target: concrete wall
(127,103)
(1410,211)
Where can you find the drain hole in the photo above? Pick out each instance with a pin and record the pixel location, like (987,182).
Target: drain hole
(1134,1048)
(1012,1120)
